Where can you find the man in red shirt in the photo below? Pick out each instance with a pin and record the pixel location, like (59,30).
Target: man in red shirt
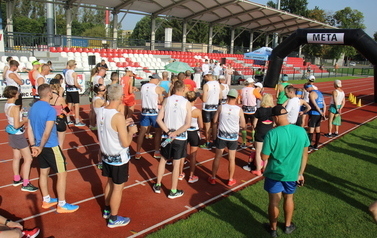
(189,83)
(129,100)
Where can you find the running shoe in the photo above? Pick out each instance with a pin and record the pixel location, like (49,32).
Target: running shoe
(67,208)
(93,128)
(232,182)
(52,202)
(243,146)
(211,180)
(137,155)
(29,188)
(156,188)
(150,136)
(274,233)
(290,229)
(206,146)
(157,155)
(17,183)
(256,172)
(177,194)
(181,176)
(335,134)
(30,233)
(247,167)
(106,214)
(169,162)
(70,123)
(100,165)
(193,179)
(79,124)
(120,221)
(328,135)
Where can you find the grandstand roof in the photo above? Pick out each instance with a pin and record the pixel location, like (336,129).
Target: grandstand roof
(234,13)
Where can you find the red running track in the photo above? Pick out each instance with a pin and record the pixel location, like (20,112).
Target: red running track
(148,211)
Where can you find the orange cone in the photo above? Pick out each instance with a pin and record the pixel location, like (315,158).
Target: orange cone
(359,103)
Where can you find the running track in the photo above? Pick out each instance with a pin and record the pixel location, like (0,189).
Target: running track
(148,211)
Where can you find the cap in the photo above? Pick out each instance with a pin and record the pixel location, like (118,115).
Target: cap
(250,80)
(233,93)
(260,85)
(36,62)
(154,76)
(338,83)
(311,78)
(42,61)
(285,78)
(279,110)
(222,77)
(129,69)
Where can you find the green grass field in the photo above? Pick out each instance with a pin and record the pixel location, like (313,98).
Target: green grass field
(340,185)
(319,80)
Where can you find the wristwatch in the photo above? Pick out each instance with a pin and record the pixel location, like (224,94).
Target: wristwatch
(6,221)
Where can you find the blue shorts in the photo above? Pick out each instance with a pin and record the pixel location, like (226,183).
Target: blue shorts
(274,186)
(149,121)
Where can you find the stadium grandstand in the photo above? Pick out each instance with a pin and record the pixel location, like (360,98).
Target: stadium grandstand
(152,56)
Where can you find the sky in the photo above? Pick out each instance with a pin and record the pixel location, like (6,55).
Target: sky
(367,7)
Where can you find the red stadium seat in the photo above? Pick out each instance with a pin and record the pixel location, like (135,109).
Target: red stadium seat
(52,49)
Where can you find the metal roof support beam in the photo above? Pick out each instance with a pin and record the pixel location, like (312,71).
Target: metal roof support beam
(275,39)
(115,29)
(251,41)
(184,34)
(211,9)
(153,32)
(50,24)
(9,7)
(240,14)
(256,19)
(210,38)
(68,16)
(267,40)
(232,40)
(125,3)
(171,6)
(297,25)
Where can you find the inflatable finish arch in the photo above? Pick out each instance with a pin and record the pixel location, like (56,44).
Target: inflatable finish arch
(353,37)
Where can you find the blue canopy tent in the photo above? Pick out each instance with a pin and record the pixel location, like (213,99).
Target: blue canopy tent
(261,54)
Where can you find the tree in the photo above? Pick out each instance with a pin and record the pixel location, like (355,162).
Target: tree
(375,36)
(349,19)
(298,7)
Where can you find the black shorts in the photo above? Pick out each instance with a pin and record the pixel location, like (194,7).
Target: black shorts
(119,174)
(175,150)
(249,116)
(73,97)
(193,138)
(221,144)
(314,120)
(208,116)
(17,141)
(52,157)
(261,132)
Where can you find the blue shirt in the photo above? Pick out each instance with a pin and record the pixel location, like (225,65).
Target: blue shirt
(319,101)
(165,85)
(40,113)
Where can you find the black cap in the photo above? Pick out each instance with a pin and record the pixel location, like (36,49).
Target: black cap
(279,110)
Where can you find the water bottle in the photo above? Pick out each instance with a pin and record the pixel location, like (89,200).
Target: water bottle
(166,142)
(25,112)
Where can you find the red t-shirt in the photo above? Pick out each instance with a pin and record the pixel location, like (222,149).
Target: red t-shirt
(190,84)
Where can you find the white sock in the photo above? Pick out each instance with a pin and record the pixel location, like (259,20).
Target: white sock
(46,198)
(62,203)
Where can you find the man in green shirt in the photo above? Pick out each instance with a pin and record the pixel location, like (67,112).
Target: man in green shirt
(286,149)
(280,93)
